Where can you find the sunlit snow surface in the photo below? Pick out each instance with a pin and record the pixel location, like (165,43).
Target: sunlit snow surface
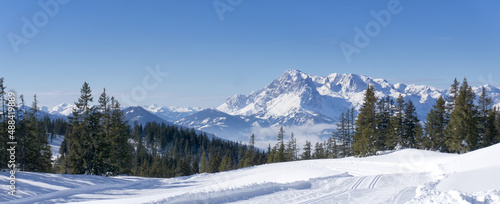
(414,176)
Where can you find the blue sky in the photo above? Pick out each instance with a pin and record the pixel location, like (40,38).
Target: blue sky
(109,44)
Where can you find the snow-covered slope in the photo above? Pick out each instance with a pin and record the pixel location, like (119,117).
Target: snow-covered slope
(414,176)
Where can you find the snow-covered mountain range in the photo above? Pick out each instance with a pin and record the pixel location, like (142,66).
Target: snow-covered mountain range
(306,104)
(298,99)
(171,113)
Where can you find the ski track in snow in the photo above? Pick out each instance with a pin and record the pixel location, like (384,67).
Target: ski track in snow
(414,176)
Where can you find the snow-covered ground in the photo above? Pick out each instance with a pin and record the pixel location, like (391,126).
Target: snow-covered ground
(413,176)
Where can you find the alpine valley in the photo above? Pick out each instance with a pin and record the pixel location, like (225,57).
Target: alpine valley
(305,104)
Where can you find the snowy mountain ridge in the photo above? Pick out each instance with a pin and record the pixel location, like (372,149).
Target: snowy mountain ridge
(301,99)
(171,113)
(321,98)
(296,100)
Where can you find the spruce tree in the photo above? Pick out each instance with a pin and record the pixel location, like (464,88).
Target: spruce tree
(252,141)
(214,161)
(280,154)
(383,124)
(435,126)
(486,120)
(204,163)
(363,144)
(452,97)
(307,151)
(319,151)
(490,133)
(462,132)
(270,154)
(226,163)
(395,138)
(121,150)
(411,122)
(291,149)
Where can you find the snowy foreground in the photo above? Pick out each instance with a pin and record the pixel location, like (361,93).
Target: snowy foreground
(413,176)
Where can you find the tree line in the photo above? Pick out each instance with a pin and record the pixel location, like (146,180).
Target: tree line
(32,133)
(457,123)
(98,140)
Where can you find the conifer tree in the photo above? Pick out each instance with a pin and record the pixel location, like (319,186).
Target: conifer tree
(395,138)
(292,149)
(270,154)
(280,154)
(435,126)
(365,126)
(490,133)
(307,151)
(121,150)
(461,132)
(214,161)
(319,151)
(452,97)
(411,123)
(486,120)
(204,163)
(252,141)
(382,117)
(226,163)
(35,149)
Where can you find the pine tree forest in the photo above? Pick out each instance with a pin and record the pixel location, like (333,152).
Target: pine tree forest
(98,140)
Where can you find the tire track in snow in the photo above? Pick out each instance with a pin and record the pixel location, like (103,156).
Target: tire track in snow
(375,181)
(355,186)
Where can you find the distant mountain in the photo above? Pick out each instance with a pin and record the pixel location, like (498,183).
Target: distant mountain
(300,99)
(171,113)
(40,113)
(140,115)
(214,121)
(61,110)
(306,104)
